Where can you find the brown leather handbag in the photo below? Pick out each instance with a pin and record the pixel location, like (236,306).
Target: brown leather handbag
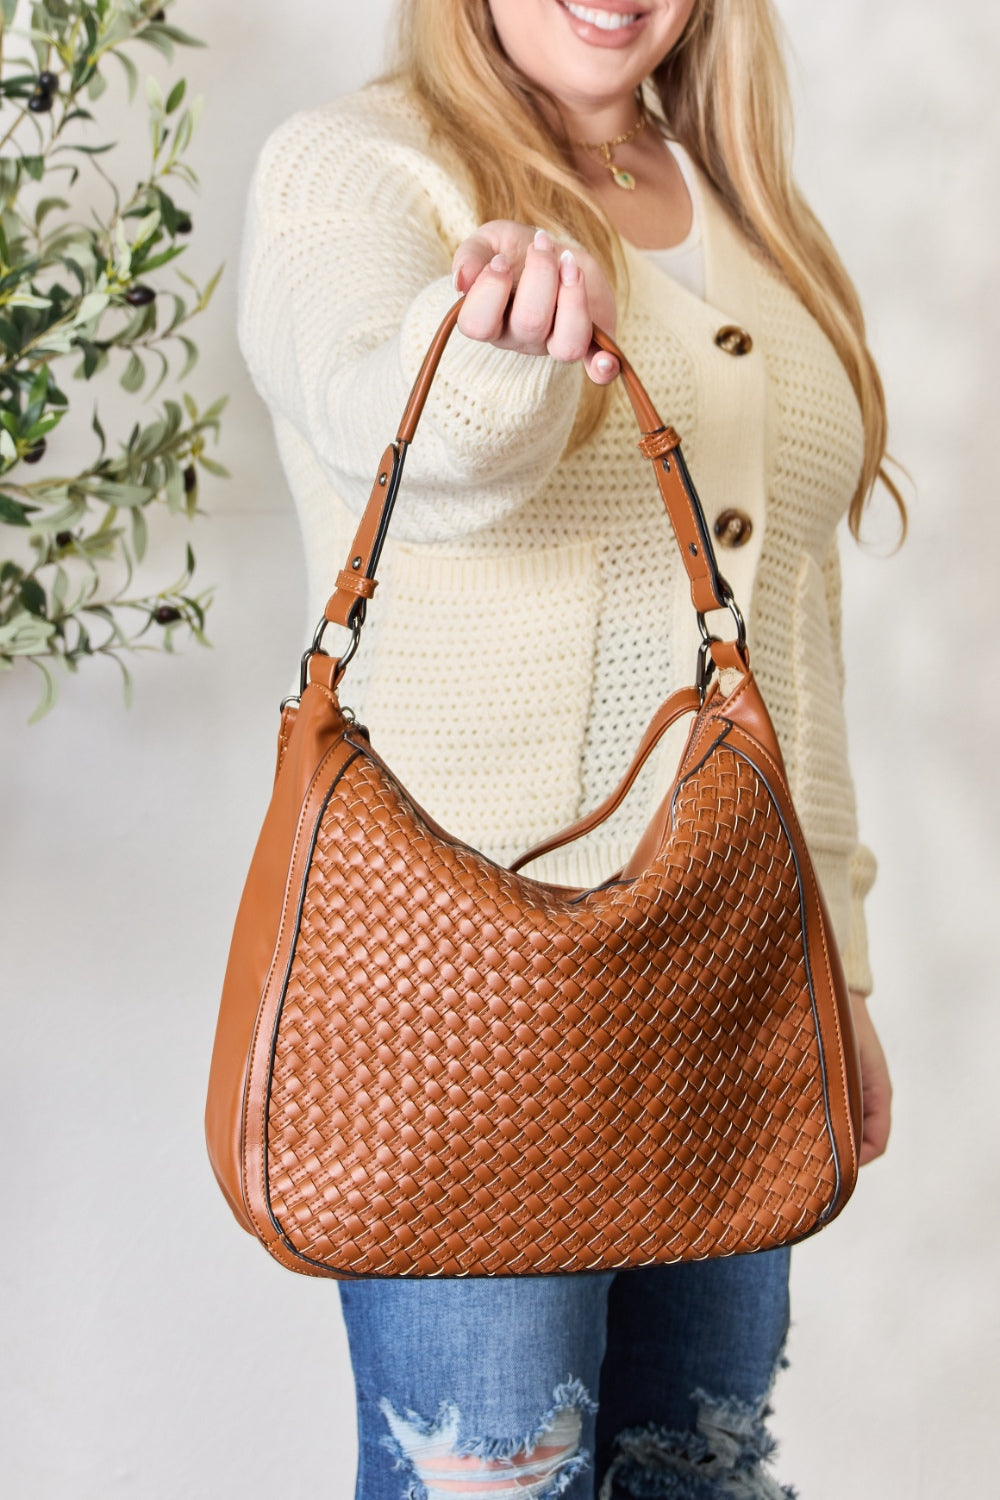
(429,1065)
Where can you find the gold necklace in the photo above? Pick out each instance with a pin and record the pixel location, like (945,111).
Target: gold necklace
(605,149)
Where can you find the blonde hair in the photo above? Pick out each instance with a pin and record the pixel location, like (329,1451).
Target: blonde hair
(723,93)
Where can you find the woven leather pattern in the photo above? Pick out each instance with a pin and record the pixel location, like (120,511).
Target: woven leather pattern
(442,1061)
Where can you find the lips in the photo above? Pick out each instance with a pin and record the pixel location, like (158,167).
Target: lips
(613,23)
(605,17)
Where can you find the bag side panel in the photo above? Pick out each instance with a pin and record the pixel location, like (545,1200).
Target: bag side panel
(318,725)
(343,750)
(754,736)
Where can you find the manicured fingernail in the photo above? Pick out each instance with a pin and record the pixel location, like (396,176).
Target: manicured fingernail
(542,241)
(605,363)
(457,278)
(501,264)
(569,271)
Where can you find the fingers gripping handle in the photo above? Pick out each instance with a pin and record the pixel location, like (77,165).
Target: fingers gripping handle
(660,444)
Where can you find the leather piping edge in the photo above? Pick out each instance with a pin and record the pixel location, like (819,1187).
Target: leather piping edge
(248,1073)
(829,1211)
(823,1217)
(279,1011)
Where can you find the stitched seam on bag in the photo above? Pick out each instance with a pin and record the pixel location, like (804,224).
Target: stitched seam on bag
(813,1005)
(822,932)
(826,955)
(299,906)
(695,749)
(284,733)
(267,985)
(270,973)
(765,754)
(732,701)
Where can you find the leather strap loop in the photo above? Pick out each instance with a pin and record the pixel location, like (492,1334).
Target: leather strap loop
(728,656)
(659,443)
(354,583)
(655,444)
(344,602)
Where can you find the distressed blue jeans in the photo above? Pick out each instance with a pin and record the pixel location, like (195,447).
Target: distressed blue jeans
(638,1385)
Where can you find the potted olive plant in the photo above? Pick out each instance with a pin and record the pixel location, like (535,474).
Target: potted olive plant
(90,293)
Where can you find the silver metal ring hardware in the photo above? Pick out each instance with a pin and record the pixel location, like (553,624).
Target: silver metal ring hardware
(316,648)
(706,665)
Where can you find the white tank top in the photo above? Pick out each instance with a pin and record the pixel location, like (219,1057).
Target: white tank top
(685,262)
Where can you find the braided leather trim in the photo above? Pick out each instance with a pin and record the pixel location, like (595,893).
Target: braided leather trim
(655,444)
(723,1141)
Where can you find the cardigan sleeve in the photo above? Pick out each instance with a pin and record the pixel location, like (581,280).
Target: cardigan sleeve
(862,867)
(345,275)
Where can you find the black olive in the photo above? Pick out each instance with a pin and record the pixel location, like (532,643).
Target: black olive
(139,295)
(166,614)
(190,479)
(48,83)
(184,225)
(64,539)
(40,102)
(35,452)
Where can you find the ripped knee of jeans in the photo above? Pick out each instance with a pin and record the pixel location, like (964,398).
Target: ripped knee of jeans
(726,1454)
(538,1465)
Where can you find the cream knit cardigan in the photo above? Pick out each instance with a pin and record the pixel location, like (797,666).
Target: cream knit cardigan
(532,612)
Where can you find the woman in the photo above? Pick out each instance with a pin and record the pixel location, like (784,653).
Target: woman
(623,163)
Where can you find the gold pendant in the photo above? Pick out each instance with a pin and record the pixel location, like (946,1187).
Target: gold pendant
(623,179)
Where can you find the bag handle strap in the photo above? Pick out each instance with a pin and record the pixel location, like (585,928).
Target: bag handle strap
(684,701)
(659,443)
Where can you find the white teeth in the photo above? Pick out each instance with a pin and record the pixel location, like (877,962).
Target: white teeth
(607,20)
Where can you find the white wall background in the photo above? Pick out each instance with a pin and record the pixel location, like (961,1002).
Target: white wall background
(152,1350)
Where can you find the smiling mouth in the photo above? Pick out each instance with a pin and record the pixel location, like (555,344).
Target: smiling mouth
(604,20)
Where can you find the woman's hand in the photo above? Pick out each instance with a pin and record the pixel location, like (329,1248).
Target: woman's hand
(525,292)
(875,1085)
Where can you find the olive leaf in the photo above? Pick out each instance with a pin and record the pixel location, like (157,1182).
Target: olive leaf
(83,297)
